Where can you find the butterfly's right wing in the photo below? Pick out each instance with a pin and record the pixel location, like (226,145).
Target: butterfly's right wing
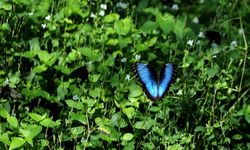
(166,78)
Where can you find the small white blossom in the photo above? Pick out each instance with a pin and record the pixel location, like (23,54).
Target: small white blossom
(201,1)
(196,20)
(127,77)
(31,13)
(179,92)
(233,43)
(137,57)
(76,97)
(241,31)
(122,5)
(124,60)
(6,82)
(89,63)
(92,15)
(44,25)
(102,13)
(48,17)
(175,7)
(201,35)
(103,6)
(190,42)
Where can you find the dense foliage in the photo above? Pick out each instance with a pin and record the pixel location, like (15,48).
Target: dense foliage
(42,42)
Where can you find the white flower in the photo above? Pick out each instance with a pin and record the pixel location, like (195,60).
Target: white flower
(137,57)
(124,60)
(201,1)
(75,97)
(196,20)
(190,42)
(241,31)
(31,13)
(92,15)
(102,13)
(44,25)
(48,17)
(89,63)
(122,5)
(179,92)
(201,35)
(233,43)
(127,77)
(103,6)
(6,82)
(175,7)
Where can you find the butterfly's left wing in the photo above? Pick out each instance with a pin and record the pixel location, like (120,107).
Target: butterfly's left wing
(147,77)
(166,78)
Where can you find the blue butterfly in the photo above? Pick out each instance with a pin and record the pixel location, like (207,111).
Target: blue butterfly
(154,85)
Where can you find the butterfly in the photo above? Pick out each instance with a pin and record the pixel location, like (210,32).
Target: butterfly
(155,86)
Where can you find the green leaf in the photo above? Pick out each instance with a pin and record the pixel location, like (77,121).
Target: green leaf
(48,122)
(129,112)
(111,17)
(247,113)
(4,113)
(37,117)
(16,142)
(127,137)
(118,121)
(85,51)
(123,26)
(141,47)
(166,23)
(78,117)
(151,42)
(211,72)
(144,124)
(237,137)
(94,77)
(149,26)
(34,44)
(12,121)
(4,138)
(199,129)
(30,132)
(179,29)
(77,130)
(14,80)
(105,129)
(154,109)
(154,11)
(39,93)
(135,91)
(43,55)
(40,68)
(62,90)
(75,104)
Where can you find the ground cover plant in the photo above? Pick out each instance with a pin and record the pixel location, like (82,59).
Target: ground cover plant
(66,80)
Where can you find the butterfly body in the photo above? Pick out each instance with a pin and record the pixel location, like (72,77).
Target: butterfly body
(154,85)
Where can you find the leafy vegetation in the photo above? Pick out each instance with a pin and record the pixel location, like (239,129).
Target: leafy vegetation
(42,42)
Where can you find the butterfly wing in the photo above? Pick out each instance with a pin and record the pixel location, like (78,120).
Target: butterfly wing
(147,77)
(166,77)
